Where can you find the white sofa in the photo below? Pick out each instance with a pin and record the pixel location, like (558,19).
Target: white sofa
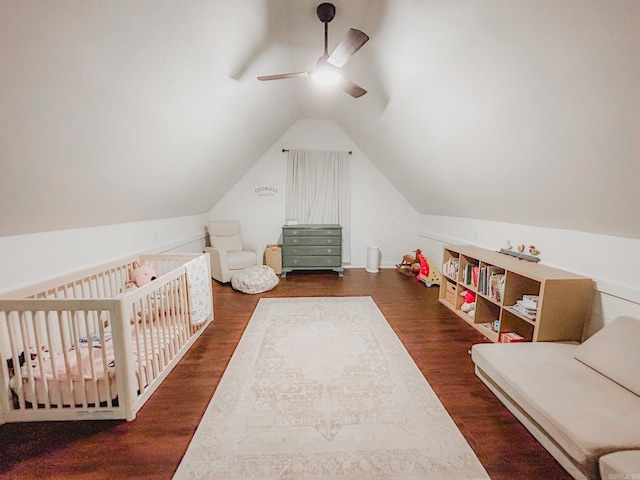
(582,402)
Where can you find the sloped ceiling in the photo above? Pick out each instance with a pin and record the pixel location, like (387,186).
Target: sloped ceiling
(509,110)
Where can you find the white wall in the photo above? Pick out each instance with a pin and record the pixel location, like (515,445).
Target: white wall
(379,214)
(612,262)
(29,259)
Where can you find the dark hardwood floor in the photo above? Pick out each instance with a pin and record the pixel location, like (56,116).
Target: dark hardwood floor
(152,446)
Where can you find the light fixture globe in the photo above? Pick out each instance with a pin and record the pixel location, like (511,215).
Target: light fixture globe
(326,78)
(325,74)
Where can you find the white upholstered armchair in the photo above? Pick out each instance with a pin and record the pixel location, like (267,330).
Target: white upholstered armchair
(228,252)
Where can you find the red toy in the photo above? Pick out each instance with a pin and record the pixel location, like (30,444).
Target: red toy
(468,296)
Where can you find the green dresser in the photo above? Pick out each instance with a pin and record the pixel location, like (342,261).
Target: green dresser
(311,247)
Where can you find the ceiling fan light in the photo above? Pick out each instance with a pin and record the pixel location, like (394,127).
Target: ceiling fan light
(326,77)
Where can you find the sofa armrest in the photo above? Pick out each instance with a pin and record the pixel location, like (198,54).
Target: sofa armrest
(620,465)
(219,264)
(252,248)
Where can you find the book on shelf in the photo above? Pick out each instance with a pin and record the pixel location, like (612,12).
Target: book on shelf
(510,337)
(497,286)
(527,306)
(529,301)
(519,311)
(470,274)
(450,267)
(491,282)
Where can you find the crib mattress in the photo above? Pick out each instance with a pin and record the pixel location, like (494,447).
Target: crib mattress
(79,377)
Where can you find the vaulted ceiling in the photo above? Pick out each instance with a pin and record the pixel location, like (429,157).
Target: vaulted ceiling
(521,111)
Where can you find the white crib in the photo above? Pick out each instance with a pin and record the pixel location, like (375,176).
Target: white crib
(80,347)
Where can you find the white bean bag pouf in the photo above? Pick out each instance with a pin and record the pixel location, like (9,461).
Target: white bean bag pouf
(256,279)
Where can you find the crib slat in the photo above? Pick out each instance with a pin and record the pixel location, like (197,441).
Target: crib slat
(53,319)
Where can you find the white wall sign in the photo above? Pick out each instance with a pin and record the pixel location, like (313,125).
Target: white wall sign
(264,193)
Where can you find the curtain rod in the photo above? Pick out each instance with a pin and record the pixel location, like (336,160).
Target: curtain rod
(286,150)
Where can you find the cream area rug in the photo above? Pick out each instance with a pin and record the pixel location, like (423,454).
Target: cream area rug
(322,388)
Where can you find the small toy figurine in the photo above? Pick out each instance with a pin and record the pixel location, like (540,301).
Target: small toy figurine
(521,248)
(508,246)
(533,250)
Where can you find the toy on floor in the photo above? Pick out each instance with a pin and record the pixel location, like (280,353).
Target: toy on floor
(428,273)
(469,304)
(409,266)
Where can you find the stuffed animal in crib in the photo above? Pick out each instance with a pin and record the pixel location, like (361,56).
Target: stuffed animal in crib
(142,274)
(157,302)
(139,275)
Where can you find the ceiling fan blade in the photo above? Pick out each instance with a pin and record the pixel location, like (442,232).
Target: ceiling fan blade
(281,76)
(352,89)
(349,45)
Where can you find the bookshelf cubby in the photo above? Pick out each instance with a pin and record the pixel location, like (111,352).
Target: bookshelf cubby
(500,281)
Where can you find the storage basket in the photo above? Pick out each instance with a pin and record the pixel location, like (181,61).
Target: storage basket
(450,294)
(273,257)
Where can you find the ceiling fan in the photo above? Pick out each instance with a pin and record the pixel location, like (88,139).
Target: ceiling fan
(327,69)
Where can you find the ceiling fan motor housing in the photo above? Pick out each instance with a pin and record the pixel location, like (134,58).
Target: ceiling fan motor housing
(326,12)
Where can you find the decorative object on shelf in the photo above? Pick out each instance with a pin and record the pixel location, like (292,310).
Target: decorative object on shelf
(409,266)
(508,246)
(520,255)
(533,250)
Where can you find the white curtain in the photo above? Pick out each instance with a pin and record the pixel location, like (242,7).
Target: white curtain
(319,191)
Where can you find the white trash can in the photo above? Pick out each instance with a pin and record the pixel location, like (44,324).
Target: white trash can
(373,259)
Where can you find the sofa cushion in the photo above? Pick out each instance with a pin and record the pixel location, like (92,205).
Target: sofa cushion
(242,259)
(582,411)
(614,351)
(620,465)
(225,235)
(228,243)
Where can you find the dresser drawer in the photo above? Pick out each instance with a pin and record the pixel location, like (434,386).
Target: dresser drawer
(312,232)
(310,241)
(312,262)
(312,250)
